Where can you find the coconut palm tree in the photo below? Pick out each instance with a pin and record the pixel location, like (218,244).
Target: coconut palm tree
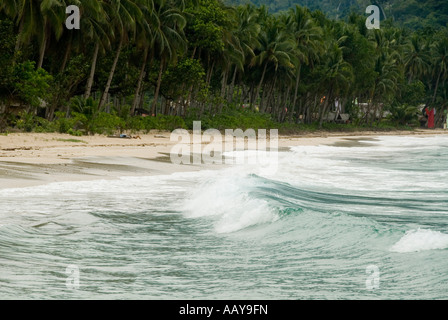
(275,49)
(416,58)
(439,53)
(245,34)
(336,77)
(38,19)
(144,42)
(169,39)
(308,39)
(94,24)
(53,12)
(30,21)
(123,16)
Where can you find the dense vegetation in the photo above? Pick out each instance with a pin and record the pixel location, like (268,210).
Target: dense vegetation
(414,14)
(160,64)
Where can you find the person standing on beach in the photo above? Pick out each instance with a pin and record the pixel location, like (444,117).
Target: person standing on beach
(430,113)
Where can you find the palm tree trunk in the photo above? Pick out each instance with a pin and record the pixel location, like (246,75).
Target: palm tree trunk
(42,49)
(194,52)
(325,107)
(244,93)
(259,85)
(437,87)
(296,90)
(232,86)
(139,84)
(187,104)
(285,104)
(224,82)
(251,94)
(271,96)
(111,74)
(19,35)
(67,54)
(262,107)
(156,93)
(92,72)
(209,76)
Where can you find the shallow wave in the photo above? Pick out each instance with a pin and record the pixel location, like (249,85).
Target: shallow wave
(229,199)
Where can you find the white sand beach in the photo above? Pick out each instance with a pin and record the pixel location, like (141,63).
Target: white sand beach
(28,159)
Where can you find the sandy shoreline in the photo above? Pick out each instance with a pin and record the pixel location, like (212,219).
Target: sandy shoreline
(28,159)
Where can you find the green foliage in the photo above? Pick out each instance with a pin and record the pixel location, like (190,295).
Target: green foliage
(416,14)
(63,124)
(31,85)
(206,24)
(25,122)
(72,132)
(88,107)
(180,78)
(233,117)
(202,59)
(7,40)
(29,122)
(404,115)
(106,123)
(413,93)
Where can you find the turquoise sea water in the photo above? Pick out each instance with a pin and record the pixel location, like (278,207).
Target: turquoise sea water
(334,222)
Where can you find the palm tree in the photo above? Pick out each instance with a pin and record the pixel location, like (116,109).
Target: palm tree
(53,12)
(94,25)
(336,76)
(308,39)
(276,47)
(40,19)
(145,42)
(245,35)
(233,53)
(30,20)
(416,58)
(440,62)
(168,39)
(124,14)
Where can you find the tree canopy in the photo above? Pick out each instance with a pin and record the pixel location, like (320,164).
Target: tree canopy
(206,59)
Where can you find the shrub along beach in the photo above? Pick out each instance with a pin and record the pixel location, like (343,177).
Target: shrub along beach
(138,65)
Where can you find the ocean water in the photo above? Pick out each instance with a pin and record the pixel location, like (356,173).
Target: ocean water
(335,222)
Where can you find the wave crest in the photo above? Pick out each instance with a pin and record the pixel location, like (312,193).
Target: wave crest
(421,240)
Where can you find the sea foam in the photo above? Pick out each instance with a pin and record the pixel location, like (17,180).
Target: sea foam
(420,240)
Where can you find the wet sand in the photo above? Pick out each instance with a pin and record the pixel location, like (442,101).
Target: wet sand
(28,159)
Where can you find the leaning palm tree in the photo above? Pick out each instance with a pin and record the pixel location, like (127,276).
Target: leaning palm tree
(276,48)
(169,39)
(124,14)
(144,42)
(308,39)
(245,38)
(94,26)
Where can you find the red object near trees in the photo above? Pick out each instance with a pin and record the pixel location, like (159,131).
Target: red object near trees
(430,114)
